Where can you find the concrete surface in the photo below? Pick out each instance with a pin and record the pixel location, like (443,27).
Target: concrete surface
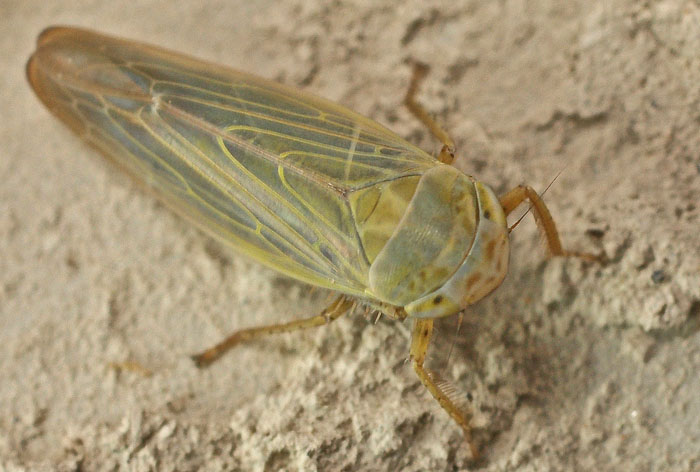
(570,366)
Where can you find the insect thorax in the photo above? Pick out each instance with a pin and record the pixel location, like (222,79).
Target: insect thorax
(436,242)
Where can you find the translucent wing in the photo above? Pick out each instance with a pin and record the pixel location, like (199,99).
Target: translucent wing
(261,166)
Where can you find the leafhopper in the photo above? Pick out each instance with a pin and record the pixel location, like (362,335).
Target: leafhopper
(298,183)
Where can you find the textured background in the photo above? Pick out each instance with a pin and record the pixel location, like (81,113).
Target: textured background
(571,366)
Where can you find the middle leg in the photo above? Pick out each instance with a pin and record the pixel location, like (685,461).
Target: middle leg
(339,307)
(447,153)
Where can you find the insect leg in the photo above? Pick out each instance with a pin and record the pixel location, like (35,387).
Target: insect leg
(512,199)
(131,366)
(440,389)
(339,307)
(447,153)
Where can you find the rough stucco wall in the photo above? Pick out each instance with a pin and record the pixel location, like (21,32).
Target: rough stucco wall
(571,366)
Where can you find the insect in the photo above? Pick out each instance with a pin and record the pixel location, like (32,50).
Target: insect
(299,183)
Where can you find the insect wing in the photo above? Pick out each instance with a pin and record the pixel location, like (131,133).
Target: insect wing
(263,167)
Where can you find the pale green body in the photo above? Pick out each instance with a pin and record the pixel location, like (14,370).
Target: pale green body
(299,183)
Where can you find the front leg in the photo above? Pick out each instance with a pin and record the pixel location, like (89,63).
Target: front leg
(512,199)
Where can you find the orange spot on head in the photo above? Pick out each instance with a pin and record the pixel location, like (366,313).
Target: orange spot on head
(490,251)
(473,280)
